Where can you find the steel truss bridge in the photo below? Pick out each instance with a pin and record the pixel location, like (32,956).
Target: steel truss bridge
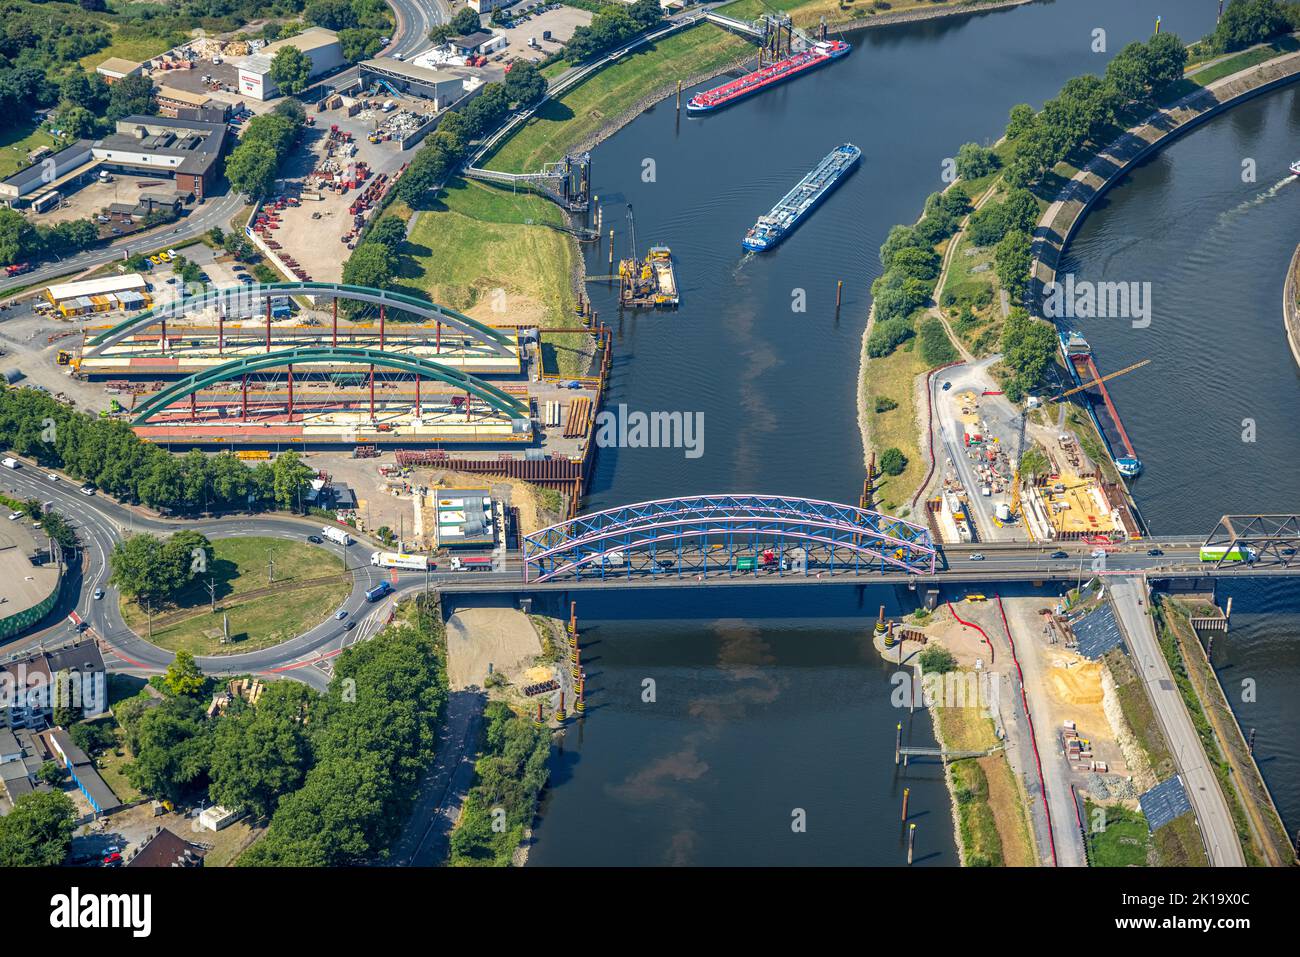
(508,405)
(1275,539)
(245,300)
(743,535)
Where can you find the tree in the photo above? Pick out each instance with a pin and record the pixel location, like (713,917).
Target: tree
(330,14)
(17,236)
(183,676)
(51,773)
(389,232)
(899,238)
(261,753)
(1028,347)
(92,737)
(171,746)
(892,461)
(465,21)
(1166,61)
(524,84)
(38,831)
(1247,22)
(886,336)
(937,660)
(250,168)
(291,110)
(76,121)
(974,161)
(369,265)
(290,69)
(1012,258)
(291,476)
(131,96)
(1019,120)
(360,44)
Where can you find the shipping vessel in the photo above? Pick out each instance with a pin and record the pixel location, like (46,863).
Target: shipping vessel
(651,283)
(1078,359)
(802,200)
(819,53)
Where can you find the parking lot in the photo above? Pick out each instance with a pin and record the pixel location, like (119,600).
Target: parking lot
(92,198)
(561,23)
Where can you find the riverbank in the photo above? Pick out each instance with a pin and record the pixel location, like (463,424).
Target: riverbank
(1076,198)
(1290,310)
(808,13)
(601,105)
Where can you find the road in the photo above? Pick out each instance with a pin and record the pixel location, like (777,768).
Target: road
(217,211)
(1129,596)
(415,18)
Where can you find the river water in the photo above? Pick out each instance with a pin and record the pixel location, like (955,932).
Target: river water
(768,700)
(1215,249)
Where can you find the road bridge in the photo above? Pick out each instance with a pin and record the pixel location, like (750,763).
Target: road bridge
(242,301)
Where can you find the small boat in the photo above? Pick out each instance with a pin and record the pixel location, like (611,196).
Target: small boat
(1128,467)
(1295,168)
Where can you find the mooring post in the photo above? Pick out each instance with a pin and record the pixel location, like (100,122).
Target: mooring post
(839,294)
(911,842)
(906,792)
(898,742)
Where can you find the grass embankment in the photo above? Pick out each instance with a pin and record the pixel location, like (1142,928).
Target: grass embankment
(1177,844)
(1217,728)
(261,614)
(893,377)
(1117,837)
(808,13)
(478,238)
(136,49)
(991,820)
(581,113)
(17,141)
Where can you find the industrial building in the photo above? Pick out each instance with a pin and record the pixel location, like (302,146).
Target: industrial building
(487,6)
(441,86)
(185,150)
(464,517)
(172,100)
(49,172)
(481,41)
(125,292)
(115,68)
(321,46)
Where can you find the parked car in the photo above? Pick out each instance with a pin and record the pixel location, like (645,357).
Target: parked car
(14,516)
(113,860)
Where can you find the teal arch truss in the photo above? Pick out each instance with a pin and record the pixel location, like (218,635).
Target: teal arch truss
(502,401)
(499,342)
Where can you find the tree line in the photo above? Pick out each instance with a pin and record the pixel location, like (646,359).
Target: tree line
(108,454)
(251,166)
(611,26)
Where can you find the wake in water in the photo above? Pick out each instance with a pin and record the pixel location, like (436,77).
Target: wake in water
(1256,200)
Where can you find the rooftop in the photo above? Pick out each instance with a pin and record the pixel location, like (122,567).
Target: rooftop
(313,38)
(410,70)
(166,849)
(22,584)
(117,66)
(25,179)
(197,143)
(97,287)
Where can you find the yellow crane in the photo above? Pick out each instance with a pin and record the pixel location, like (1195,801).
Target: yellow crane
(1080,388)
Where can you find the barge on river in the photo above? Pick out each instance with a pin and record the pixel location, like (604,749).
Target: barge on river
(806,196)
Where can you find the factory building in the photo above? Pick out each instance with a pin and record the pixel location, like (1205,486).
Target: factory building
(126,292)
(187,151)
(441,86)
(46,173)
(321,46)
(115,68)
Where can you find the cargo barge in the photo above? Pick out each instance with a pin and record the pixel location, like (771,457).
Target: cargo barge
(806,196)
(1078,359)
(819,53)
(650,284)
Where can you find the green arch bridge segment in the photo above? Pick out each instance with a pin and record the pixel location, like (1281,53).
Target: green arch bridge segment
(499,342)
(502,401)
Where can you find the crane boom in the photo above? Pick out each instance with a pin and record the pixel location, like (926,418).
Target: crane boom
(1105,378)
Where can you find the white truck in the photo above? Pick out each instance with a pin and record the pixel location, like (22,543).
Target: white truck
(336,535)
(11,463)
(416,563)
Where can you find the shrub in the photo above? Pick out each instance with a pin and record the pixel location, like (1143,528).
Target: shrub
(885,404)
(892,461)
(888,336)
(937,660)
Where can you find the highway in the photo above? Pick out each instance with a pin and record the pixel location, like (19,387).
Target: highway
(1129,595)
(415,18)
(217,211)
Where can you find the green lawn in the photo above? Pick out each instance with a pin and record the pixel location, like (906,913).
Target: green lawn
(111,763)
(563,123)
(239,569)
(137,49)
(479,238)
(17,142)
(1117,837)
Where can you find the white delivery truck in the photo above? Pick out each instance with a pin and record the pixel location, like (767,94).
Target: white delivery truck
(336,535)
(11,463)
(416,563)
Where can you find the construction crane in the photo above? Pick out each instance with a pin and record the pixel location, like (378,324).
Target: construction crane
(1080,388)
(1015,476)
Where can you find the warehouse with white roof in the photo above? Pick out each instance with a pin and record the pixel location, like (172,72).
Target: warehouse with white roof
(321,46)
(129,291)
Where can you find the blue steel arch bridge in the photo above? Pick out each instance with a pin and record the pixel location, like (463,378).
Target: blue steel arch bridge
(744,534)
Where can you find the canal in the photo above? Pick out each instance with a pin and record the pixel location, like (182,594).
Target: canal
(768,703)
(1215,249)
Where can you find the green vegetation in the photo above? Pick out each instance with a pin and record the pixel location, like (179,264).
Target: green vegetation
(561,124)
(308,587)
(372,734)
(1117,837)
(360,24)
(885,404)
(252,165)
(808,13)
(38,831)
(976,823)
(1247,22)
(892,461)
(611,26)
(108,454)
(937,660)
(509,776)
(936,348)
